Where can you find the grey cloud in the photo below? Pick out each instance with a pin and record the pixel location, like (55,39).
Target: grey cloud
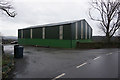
(36,12)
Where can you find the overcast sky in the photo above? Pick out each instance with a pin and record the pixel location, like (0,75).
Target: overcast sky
(38,12)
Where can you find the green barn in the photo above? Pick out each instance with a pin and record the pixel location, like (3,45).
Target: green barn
(64,34)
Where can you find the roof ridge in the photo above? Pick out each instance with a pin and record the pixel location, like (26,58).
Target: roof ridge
(54,24)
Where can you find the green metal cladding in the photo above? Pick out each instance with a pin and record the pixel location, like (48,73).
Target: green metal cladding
(63,35)
(37,33)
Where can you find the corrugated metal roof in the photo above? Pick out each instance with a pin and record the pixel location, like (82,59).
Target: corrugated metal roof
(53,24)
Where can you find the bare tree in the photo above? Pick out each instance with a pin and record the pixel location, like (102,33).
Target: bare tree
(109,15)
(7,8)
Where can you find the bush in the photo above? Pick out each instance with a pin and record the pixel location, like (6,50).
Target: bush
(97,45)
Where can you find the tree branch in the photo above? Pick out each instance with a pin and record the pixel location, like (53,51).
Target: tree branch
(109,12)
(7,8)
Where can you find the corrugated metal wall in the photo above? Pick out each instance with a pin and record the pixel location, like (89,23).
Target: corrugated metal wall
(88,31)
(26,33)
(52,32)
(19,33)
(73,31)
(78,30)
(37,33)
(91,33)
(84,31)
(67,32)
(84,28)
(65,35)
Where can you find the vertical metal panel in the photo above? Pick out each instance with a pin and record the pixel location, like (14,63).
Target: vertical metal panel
(88,31)
(67,32)
(91,33)
(76,30)
(85,30)
(43,33)
(73,31)
(31,33)
(26,33)
(81,29)
(61,32)
(37,33)
(21,33)
(52,32)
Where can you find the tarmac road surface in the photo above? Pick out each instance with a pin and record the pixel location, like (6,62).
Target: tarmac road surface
(65,63)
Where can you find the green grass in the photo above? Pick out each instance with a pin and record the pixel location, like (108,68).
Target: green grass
(7,64)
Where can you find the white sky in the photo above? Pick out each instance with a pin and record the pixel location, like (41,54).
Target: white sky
(38,12)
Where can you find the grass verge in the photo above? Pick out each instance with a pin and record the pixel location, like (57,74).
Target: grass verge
(7,65)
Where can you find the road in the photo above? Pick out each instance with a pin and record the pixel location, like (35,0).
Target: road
(105,66)
(65,63)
